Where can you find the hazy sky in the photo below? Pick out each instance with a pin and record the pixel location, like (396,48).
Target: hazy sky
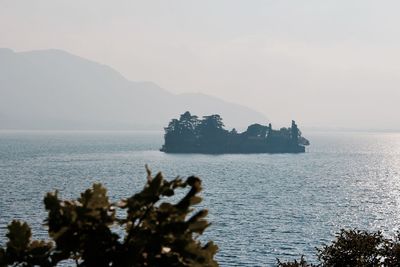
(325,63)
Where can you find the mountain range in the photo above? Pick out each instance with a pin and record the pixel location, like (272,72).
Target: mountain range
(55,90)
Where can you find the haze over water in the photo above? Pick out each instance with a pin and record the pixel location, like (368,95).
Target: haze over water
(326,64)
(262,206)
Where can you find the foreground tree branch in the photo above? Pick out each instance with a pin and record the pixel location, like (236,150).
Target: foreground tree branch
(88,231)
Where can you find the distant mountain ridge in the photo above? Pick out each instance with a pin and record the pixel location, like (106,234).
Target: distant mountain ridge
(55,90)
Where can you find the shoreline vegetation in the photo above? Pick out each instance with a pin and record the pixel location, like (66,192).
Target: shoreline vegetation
(190,134)
(158,233)
(92,232)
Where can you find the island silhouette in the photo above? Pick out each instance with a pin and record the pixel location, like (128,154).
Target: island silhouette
(190,134)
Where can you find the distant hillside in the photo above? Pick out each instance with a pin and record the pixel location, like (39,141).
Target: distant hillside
(54,90)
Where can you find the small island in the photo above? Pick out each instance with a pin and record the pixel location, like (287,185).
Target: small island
(190,134)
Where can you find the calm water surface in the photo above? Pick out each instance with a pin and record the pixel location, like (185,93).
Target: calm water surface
(262,207)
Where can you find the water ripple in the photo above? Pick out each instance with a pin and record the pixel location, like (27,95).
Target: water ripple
(262,207)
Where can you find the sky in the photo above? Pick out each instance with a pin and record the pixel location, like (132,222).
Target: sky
(327,64)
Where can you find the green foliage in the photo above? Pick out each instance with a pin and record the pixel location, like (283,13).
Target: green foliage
(356,248)
(301,263)
(20,248)
(86,230)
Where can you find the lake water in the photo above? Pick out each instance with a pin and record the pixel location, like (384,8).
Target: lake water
(261,206)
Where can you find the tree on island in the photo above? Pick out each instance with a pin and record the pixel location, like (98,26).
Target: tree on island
(212,134)
(191,135)
(294,133)
(188,124)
